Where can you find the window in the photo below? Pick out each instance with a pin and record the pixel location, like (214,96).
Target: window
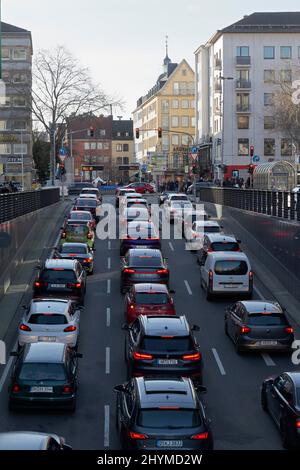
(86,146)
(285,52)
(119,148)
(231,268)
(94,159)
(184,104)
(269,76)
(176,88)
(165,121)
(93,145)
(193,104)
(165,106)
(102,132)
(20,149)
(106,146)
(174,121)
(269,147)
(118,134)
(6,77)
(185,139)
(19,102)
(184,72)
(174,139)
(269,52)
(185,121)
(126,134)
(193,121)
(126,160)
(125,148)
(175,104)
(268,99)
(269,122)
(286,147)
(5,53)
(100,145)
(5,149)
(19,125)
(242,51)
(20,78)
(7,102)
(286,76)
(3,125)
(19,54)
(243,122)
(243,147)
(119,160)
(243,101)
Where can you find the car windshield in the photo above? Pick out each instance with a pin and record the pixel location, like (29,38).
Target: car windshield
(165,344)
(231,268)
(151,298)
(169,419)
(81,250)
(85,202)
(208,229)
(80,216)
(81,230)
(47,319)
(179,198)
(265,319)
(225,246)
(57,275)
(42,371)
(181,204)
(145,261)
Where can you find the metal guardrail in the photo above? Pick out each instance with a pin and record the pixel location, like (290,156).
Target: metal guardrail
(14,205)
(282,204)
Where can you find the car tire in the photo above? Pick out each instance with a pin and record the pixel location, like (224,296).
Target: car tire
(208,294)
(264,401)
(73,406)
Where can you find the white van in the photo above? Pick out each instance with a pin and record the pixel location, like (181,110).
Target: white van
(226,273)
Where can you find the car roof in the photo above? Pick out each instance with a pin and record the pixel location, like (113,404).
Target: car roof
(44,352)
(23,440)
(49,306)
(259,306)
(60,263)
(138,199)
(129,190)
(165,325)
(90,189)
(134,194)
(295,376)
(135,208)
(228,255)
(151,288)
(155,392)
(220,237)
(177,194)
(207,223)
(154,253)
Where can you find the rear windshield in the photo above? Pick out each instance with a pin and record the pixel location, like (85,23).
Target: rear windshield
(145,261)
(207,229)
(231,268)
(86,202)
(52,275)
(47,319)
(225,246)
(77,229)
(151,298)
(81,250)
(135,203)
(169,419)
(90,191)
(260,319)
(42,371)
(179,198)
(80,216)
(140,230)
(151,343)
(180,204)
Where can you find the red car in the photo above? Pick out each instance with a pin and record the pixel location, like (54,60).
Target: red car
(147,299)
(142,188)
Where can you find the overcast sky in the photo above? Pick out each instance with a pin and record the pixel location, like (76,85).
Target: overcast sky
(123,41)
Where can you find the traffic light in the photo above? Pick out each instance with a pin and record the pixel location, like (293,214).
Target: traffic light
(251,150)
(251,169)
(137,133)
(159,132)
(92,132)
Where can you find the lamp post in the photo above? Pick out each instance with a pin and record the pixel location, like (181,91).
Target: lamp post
(223,120)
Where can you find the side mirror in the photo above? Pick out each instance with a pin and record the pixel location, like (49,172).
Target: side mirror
(79,355)
(38,266)
(119,388)
(14,353)
(93,249)
(24,307)
(66,447)
(195,328)
(201,389)
(172,291)
(125,327)
(239,241)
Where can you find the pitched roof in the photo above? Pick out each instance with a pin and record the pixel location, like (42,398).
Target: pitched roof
(9,28)
(266,22)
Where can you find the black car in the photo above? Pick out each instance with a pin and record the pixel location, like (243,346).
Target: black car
(77,187)
(85,204)
(44,375)
(61,278)
(258,325)
(143,265)
(163,345)
(162,414)
(139,234)
(79,251)
(280,396)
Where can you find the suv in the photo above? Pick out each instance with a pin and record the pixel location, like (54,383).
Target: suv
(162,414)
(217,242)
(163,345)
(61,277)
(44,374)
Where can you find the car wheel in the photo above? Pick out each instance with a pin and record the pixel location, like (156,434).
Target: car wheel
(208,294)
(264,401)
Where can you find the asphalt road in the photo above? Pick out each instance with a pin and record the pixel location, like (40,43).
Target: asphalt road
(233,382)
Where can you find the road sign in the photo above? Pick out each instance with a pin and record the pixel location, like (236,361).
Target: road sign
(62,153)
(256,158)
(144,168)
(194,150)
(194,155)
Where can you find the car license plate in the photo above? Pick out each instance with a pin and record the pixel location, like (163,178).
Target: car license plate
(41,389)
(268,343)
(230,285)
(51,339)
(167,362)
(169,443)
(55,286)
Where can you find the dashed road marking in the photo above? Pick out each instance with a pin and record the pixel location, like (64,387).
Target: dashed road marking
(108,316)
(108,286)
(106,426)
(268,360)
(107,360)
(109,262)
(218,361)
(171,246)
(109,244)
(188,288)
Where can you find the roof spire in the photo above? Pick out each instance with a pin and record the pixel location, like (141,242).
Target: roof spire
(167,60)
(167,45)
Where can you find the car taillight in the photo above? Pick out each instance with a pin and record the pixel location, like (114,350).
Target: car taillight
(162,271)
(132,306)
(244,330)
(289,329)
(16,388)
(70,328)
(211,275)
(192,357)
(67,389)
(128,271)
(24,327)
(141,356)
(71,285)
(298,424)
(202,435)
(250,276)
(87,260)
(137,435)
(40,284)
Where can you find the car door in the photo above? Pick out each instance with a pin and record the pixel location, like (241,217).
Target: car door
(275,398)
(231,317)
(133,338)
(74,313)
(204,270)
(126,406)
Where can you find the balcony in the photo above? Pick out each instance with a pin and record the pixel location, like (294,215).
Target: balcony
(218,63)
(243,60)
(243,84)
(243,108)
(218,87)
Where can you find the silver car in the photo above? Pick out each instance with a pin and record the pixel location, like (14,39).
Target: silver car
(26,440)
(50,320)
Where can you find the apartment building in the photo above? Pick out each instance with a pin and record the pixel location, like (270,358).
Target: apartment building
(237,76)
(123,165)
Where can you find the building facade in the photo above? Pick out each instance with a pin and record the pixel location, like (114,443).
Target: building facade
(16,162)
(237,76)
(123,164)
(169,105)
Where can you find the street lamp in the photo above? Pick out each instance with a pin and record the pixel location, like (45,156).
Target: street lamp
(222,115)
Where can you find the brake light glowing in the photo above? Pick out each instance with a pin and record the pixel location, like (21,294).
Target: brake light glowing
(131,306)
(71,285)
(37,284)
(128,271)
(203,435)
(137,435)
(63,235)
(298,424)
(87,260)
(289,329)
(16,388)
(142,357)
(192,357)
(58,269)
(250,276)
(70,329)
(162,271)
(24,327)
(67,389)
(211,275)
(244,330)
(167,337)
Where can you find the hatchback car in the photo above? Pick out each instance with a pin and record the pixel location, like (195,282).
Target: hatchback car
(82,216)
(139,234)
(85,204)
(143,265)
(148,299)
(54,320)
(44,375)
(60,278)
(80,251)
(163,345)
(142,188)
(217,242)
(258,325)
(195,232)
(76,232)
(280,397)
(27,440)
(162,414)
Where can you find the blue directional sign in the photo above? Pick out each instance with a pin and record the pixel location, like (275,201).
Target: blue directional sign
(194,149)
(63,151)
(144,168)
(256,158)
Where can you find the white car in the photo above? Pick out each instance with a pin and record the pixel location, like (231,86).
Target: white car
(226,273)
(127,197)
(134,213)
(194,234)
(174,210)
(50,320)
(177,197)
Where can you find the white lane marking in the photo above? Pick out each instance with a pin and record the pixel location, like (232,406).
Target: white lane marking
(106,426)
(268,360)
(108,286)
(218,361)
(107,360)
(56,244)
(171,246)
(109,263)
(188,288)
(7,368)
(108,316)
(109,244)
(260,295)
